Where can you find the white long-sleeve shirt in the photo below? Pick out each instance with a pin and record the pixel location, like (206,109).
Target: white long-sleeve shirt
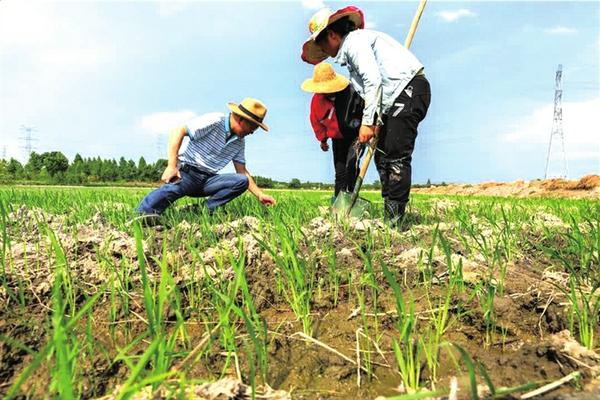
(374,59)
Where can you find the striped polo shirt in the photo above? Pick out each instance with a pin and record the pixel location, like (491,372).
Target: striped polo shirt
(209,149)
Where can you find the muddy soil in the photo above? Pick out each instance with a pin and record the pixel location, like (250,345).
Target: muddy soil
(529,342)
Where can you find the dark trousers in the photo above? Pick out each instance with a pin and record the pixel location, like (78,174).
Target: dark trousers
(397,140)
(345,163)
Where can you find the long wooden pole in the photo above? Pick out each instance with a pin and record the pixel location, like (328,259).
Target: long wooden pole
(415,23)
(373,141)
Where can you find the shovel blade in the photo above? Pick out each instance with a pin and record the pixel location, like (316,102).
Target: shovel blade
(343,207)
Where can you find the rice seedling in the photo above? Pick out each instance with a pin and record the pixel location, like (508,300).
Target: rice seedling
(295,275)
(486,292)
(210,296)
(364,345)
(431,341)
(584,310)
(455,268)
(255,325)
(333,274)
(407,348)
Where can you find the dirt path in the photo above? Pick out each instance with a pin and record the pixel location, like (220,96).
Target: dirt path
(587,187)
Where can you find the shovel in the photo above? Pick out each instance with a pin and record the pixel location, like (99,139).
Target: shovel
(349,204)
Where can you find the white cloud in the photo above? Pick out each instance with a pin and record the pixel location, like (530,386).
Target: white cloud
(76,58)
(161,123)
(24,23)
(560,30)
(451,16)
(581,127)
(313,4)
(171,7)
(48,40)
(371,25)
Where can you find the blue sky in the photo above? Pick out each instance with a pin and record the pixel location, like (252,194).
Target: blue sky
(110,78)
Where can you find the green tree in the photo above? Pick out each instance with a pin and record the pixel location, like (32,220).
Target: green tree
(54,162)
(32,169)
(3,173)
(14,168)
(75,173)
(35,163)
(295,184)
(109,171)
(158,168)
(124,171)
(95,169)
(264,182)
(132,170)
(142,169)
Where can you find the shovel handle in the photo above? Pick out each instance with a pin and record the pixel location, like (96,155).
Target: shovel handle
(368,156)
(415,22)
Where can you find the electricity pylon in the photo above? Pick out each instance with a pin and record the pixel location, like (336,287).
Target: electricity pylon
(557,130)
(27,130)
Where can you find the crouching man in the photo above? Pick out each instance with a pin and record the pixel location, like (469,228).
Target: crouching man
(215,140)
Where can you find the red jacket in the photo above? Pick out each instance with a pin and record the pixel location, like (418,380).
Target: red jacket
(323,118)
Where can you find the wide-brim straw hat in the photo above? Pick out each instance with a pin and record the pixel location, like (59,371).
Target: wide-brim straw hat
(311,53)
(325,80)
(251,109)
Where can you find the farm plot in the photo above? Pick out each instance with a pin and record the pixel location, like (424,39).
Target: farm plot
(491,297)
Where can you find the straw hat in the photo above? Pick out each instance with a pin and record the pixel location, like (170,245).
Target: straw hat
(252,110)
(325,80)
(311,53)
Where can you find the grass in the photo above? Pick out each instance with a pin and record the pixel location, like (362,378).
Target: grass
(225,298)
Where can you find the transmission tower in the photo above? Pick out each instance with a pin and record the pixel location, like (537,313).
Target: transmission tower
(27,130)
(557,131)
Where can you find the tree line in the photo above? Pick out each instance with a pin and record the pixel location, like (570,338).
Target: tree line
(54,168)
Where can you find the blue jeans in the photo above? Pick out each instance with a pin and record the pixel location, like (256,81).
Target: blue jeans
(219,189)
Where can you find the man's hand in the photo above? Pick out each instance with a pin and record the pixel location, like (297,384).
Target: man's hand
(170,175)
(324,146)
(266,199)
(366,132)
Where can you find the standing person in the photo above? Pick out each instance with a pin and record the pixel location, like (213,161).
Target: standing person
(389,78)
(215,140)
(333,116)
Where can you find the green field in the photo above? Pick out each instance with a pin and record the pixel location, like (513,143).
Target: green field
(501,293)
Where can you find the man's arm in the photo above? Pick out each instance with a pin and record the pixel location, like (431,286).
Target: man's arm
(255,190)
(171,173)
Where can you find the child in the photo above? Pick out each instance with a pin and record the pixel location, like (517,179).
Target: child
(335,114)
